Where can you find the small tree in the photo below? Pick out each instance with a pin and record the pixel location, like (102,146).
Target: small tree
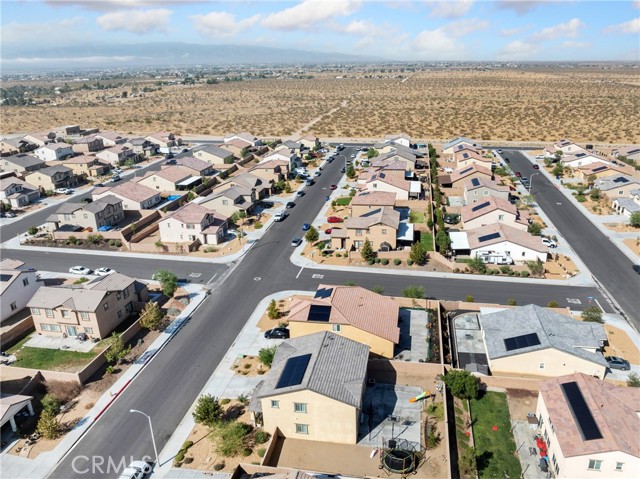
(50,404)
(272,311)
(443,241)
(351,172)
(372,153)
(592,314)
(462,384)
(536,267)
(418,254)
(415,292)
(32,230)
(168,281)
(287,187)
(553,304)
(151,316)
(558,170)
(634,220)
(469,299)
(595,194)
(476,264)
(208,410)
(311,235)
(535,229)
(633,380)
(117,350)
(48,425)
(265,355)
(366,251)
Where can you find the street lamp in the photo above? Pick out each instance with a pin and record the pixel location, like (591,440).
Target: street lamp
(153,440)
(531,181)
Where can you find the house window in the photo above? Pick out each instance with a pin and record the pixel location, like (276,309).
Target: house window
(51,327)
(128,307)
(119,314)
(25,282)
(225,202)
(300,407)
(49,313)
(85,216)
(190,227)
(375,185)
(125,293)
(302,429)
(358,232)
(84,315)
(35,311)
(118,296)
(65,313)
(88,330)
(106,306)
(619,466)
(14,306)
(275,404)
(541,365)
(500,217)
(594,465)
(384,231)
(336,328)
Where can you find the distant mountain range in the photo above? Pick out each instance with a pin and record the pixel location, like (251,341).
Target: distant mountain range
(122,55)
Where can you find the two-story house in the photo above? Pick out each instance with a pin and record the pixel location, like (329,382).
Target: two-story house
(170,178)
(52,178)
(215,155)
(480,188)
(17,193)
(117,155)
(111,138)
(285,154)
(262,187)
(193,222)
(138,197)
(164,140)
(142,147)
(13,146)
(18,284)
(246,137)
(492,210)
(21,164)
(271,170)
(450,147)
(458,178)
(367,201)
(95,308)
(105,212)
(197,167)
(379,226)
(87,166)
(229,200)
(88,144)
(382,181)
(54,151)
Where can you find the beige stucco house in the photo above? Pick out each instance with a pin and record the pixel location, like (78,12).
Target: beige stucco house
(228,200)
(468,156)
(21,164)
(458,178)
(18,284)
(215,155)
(590,427)
(138,198)
(52,177)
(95,308)
(261,187)
(567,147)
(350,311)
(461,142)
(247,138)
(13,146)
(87,144)
(111,138)
(193,222)
(379,226)
(271,170)
(117,154)
(197,167)
(390,183)
(617,186)
(314,390)
(535,341)
(17,193)
(478,189)
(164,139)
(170,178)
(87,166)
(106,211)
(490,211)
(367,201)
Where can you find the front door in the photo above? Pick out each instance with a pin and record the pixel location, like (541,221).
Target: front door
(72,331)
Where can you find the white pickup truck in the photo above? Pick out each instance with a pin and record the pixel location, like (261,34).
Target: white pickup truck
(279,216)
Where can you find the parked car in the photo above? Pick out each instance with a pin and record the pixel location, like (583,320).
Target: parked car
(9,214)
(452,219)
(98,185)
(277,333)
(536,167)
(636,268)
(279,216)
(170,162)
(300,193)
(290,205)
(328,231)
(115,178)
(518,174)
(317,173)
(506,160)
(103,271)
(309,182)
(63,191)
(500,151)
(79,270)
(296,242)
(333,187)
(327,198)
(306,226)
(168,156)
(616,362)
(549,242)
(136,470)
(334,219)
(342,170)
(266,204)
(117,170)
(87,200)
(539,157)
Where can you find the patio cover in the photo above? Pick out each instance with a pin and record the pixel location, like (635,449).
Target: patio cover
(189,181)
(459,240)
(405,232)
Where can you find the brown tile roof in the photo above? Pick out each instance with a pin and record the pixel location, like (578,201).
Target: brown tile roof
(615,409)
(486,183)
(385,215)
(339,233)
(469,170)
(374,198)
(359,307)
(80,160)
(481,208)
(269,164)
(468,154)
(390,180)
(507,233)
(191,213)
(239,143)
(193,163)
(137,193)
(174,174)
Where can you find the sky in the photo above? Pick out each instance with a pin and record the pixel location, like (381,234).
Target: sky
(477,30)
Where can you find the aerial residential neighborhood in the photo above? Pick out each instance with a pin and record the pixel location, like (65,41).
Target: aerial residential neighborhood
(319,240)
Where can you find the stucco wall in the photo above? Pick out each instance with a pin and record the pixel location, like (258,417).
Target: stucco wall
(556,363)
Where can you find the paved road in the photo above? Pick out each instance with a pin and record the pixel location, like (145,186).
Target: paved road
(605,261)
(169,384)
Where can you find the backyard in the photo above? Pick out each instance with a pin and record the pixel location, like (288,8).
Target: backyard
(50,359)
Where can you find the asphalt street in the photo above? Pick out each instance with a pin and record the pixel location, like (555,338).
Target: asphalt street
(605,261)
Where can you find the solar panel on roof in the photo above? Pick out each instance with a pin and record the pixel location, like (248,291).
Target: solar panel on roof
(319,312)
(484,238)
(293,371)
(475,181)
(600,168)
(480,206)
(587,425)
(466,170)
(621,179)
(465,155)
(519,342)
(323,293)
(580,155)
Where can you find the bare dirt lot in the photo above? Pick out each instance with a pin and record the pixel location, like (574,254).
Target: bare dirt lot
(595,105)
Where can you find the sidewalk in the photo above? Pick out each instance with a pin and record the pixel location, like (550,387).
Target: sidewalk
(224,383)
(15,467)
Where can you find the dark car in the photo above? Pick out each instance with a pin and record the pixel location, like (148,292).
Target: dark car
(636,268)
(266,204)
(506,160)
(299,193)
(170,162)
(333,187)
(87,200)
(616,362)
(536,167)
(342,170)
(452,219)
(328,231)
(306,226)
(518,174)
(290,204)
(168,156)
(277,333)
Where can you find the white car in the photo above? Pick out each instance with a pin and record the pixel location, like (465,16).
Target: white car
(136,470)
(82,270)
(317,173)
(539,157)
(549,242)
(103,271)
(64,191)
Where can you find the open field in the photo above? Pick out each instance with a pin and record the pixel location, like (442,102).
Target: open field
(595,105)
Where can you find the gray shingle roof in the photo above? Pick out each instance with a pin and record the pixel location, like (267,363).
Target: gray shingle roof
(554,331)
(337,368)
(24,160)
(216,151)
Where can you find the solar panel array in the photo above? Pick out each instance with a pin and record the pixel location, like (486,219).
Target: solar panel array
(621,179)
(480,206)
(293,371)
(519,342)
(466,170)
(323,293)
(475,181)
(319,313)
(587,426)
(600,168)
(484,238)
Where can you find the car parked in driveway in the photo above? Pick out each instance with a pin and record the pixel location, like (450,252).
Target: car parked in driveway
(64,191)
(616,362)
(334,219)
(277,333)
(296,242)
(79,270)
(549,243)
(306,226)
(328,231)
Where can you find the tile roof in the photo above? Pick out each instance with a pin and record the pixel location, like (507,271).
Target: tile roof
(239,143)
(12,180)
(467,155)
(171,173)
(193,163)
(137,193)
(377,198)
(554,331)
(56,146)
(269,164)
(469,170)
(191,213)
(392,180)
(385,215)
(215,151)
(460,139)
(359,307)
(52,170)
(481,208)
(248,180)
(615,410)
(505,233)
(615,181)
(111,135)
(483,182)
(337,368)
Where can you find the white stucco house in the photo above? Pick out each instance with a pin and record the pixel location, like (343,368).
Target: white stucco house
(54,151)
(18,284)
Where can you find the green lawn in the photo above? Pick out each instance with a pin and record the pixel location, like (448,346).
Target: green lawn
(416,217)
(51,359)
(343,201)
(495,450)
(426,238)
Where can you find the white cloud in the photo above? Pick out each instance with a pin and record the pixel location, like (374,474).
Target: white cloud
(57,33)
(436,42)
(309,13)
(569,29)
(520,6)
(451,9)
(518,50)
(508,32)
(136,21)
(355,27)
(465,27)
(221,24)
(105,5)
(574,44)
(632,26)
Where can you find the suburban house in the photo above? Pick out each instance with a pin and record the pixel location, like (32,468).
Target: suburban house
(22,164)
(17,193)
(401,169)
(87,166)
(142,146)
(314,389)
(18,284)
(285,154)
(215,155)
(41,138)
(478,189)
(366,201)
(380,227)
(581,158)
(467,157)
(235,147)
(245,137)
(292,145)
(350,311)
(170,178)
(13,146)
(193,222)
(403,189)
(459,177)
(117,155)
(197,167)
(95,308)
(229,200)
(499,239)
(567,147)
(111,138)
(405,155)
(630,152)
(54,151)
(99,215)
(401,139)
(135,198)
(163,140)
(308,141)
(271,170)
(490,211)
(590,427)
(52,178)
(597,169)
(449,148)
(617,186)
(531,340)
(262,187)
(628,206)
(88,144)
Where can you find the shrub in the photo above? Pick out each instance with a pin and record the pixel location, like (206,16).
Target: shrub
(311,235)
(257,225)
(261,437)
(467,462)
(592,314)
(416,292)
(81,280)
(272,311)
(210,249)
(208,410)
(418,254)
(366,251)
(95,238)
(33,230)
(397,262)
(524,274)
(265,355)
(48,425)
(116,243)
(469,299)
(151,316)
(505,269)
(168,281)
(377,260)
(535,229)
(73,240)
(371,261)
(50,404)
(225,401)
(512,302)
(246,452)
(552,304)
(511,272)
(384,261)
(232,436)
(409,262)
(261,451)
(633,380)
(462,384)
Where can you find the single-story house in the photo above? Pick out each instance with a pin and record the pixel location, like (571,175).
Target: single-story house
(459,177)
(500,239)
(567,147)
(478,189)
(449,147)
(617,186)
(630,152)
(228,200)
(164,140)
(628,206)
(170,178)
(467,157)
(198,167)
(246,137)
(581,158)
(402,188)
